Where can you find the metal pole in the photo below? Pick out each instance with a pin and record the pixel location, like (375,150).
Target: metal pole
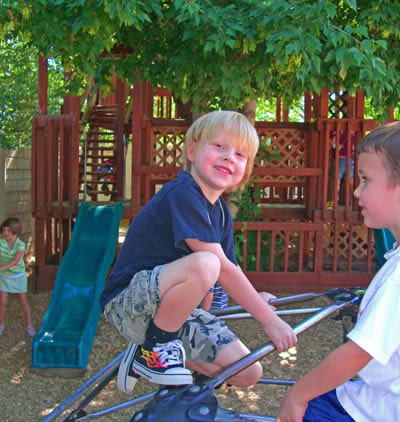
(302,297)
(299,311)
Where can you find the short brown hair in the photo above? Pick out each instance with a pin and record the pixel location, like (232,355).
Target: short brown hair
(13,224)
(208,126)
(385,139)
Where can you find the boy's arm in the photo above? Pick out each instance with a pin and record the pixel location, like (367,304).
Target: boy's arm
(237,285)
(13,262)
(337,368)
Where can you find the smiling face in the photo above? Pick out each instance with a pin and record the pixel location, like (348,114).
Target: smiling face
(217,165)
(378,198)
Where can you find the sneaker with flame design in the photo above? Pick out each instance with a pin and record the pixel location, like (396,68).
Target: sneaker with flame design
(164,364)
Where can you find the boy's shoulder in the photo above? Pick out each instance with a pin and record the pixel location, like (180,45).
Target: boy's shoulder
(392,264)
(388,277)
(19,244)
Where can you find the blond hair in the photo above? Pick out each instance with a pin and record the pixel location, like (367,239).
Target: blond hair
(241,133)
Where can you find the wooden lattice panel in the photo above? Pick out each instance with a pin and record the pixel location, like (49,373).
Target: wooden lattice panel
(167,147)
(290,144)
(346,246)
(359,235)
(337,105)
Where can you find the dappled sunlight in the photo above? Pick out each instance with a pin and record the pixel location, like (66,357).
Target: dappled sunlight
(18,376)
(289,357)
(251,397)
(15,349)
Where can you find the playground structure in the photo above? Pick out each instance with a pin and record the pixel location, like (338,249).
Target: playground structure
(198,402)
(312,247)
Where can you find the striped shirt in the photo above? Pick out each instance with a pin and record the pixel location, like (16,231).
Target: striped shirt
(220,297)
(7,254)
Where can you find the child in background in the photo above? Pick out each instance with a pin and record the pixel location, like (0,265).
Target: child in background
(12,271)
(373,351)
(176,249)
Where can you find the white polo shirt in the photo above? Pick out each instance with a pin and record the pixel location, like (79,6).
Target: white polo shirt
(375,397)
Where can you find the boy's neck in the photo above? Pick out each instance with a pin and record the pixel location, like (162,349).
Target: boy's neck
(212,195)
(11,242)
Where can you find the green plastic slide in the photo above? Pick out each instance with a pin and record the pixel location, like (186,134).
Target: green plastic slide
(63,343)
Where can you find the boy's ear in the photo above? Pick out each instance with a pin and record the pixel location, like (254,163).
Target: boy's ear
(191,151)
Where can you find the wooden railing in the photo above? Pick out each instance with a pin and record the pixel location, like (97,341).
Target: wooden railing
(294,256)
(54,191)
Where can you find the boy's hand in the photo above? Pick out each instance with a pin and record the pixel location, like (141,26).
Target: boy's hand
(267,297)
(281,334)
(291,411)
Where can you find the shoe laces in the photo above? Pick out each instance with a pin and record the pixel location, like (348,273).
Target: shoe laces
(169,353)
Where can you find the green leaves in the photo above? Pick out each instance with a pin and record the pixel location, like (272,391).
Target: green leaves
(351,3)
(19,91)
(218,49)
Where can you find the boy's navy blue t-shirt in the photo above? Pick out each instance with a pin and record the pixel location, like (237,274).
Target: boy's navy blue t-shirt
(157,235)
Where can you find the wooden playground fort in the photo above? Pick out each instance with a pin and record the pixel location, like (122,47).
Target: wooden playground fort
(125,146)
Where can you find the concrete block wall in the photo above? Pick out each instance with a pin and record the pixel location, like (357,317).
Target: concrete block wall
(15,190)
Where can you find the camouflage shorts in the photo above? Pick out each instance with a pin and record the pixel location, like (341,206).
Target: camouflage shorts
(202,335)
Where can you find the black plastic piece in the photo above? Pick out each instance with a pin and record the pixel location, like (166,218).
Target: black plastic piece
(191,403)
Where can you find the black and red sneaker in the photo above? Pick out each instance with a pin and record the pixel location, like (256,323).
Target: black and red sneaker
(163,364)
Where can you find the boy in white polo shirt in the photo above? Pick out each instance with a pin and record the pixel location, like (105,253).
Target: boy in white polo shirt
(373,351)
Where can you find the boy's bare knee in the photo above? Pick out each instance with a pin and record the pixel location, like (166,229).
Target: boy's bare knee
(248,377)
(206,266)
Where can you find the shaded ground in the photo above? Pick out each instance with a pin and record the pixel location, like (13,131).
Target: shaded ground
(28,397)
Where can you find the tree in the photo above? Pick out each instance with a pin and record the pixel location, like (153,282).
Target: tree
(19,91)
(224,51)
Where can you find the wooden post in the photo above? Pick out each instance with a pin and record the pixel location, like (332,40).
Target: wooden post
(360,105)
(137,113)
(43,83)
(119,138)
(307,107)
(316,105)
(324,103)
(278,110)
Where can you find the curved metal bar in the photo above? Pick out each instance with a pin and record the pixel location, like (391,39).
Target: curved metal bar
(276,382)
(227,310)
(299,311)
(302,297)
